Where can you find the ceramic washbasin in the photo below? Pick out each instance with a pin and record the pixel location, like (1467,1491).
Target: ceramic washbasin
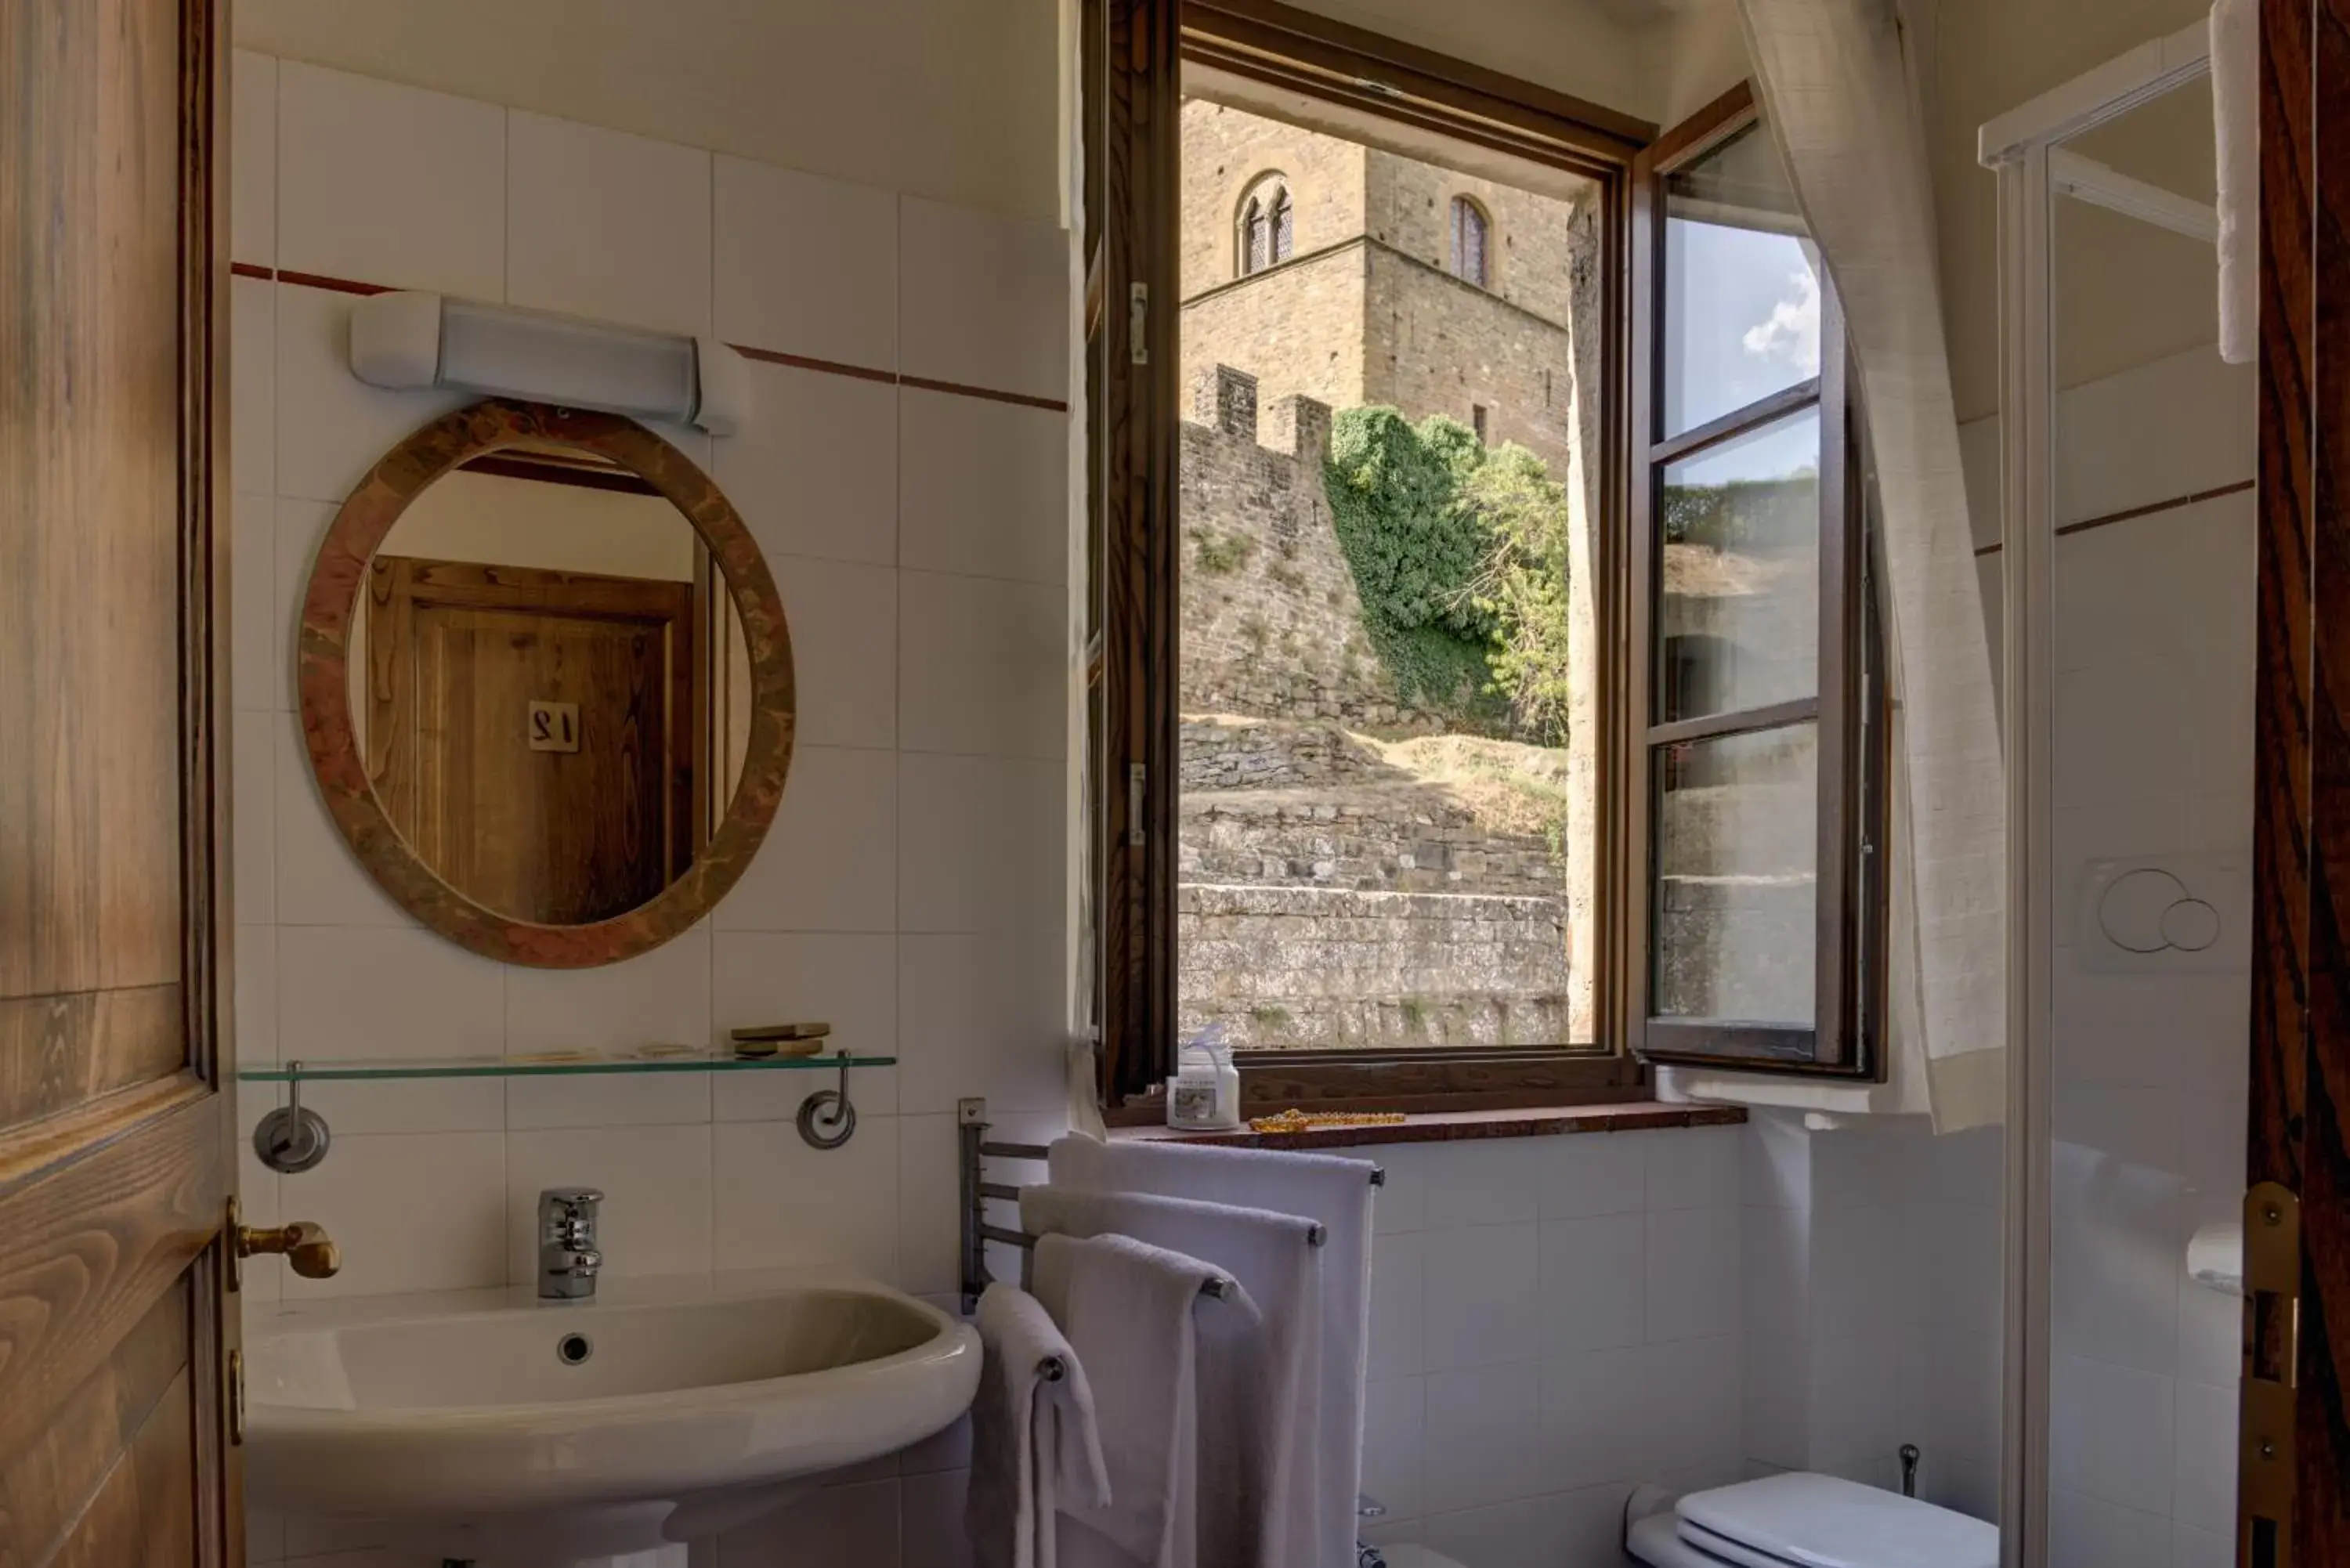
(549,1432)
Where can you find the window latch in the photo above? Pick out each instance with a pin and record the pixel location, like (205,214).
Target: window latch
(1138,323)
(1137,776)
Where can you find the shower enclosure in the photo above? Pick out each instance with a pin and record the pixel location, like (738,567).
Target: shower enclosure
(2123,584)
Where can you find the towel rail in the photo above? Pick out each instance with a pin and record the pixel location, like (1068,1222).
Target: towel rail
(970,1131)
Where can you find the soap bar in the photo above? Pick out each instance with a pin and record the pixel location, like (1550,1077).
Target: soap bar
(780,1039)
(781,1031)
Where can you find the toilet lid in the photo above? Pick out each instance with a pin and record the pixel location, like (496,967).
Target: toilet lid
(1819,1521)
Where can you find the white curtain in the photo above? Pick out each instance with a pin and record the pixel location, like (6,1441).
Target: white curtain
(1840,98)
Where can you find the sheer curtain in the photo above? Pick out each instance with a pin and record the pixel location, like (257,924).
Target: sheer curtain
(1838,93)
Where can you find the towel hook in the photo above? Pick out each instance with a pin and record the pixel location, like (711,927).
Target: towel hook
(827,1119)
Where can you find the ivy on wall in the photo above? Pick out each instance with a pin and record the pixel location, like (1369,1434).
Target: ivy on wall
(1458,555)
(1415,548)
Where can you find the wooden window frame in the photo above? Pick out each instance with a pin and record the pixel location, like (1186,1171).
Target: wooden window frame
(1848,707)
(1131,54)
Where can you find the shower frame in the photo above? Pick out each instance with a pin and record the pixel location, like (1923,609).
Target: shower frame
(2027,146)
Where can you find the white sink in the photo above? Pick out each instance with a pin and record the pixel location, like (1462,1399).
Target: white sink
(481,1432)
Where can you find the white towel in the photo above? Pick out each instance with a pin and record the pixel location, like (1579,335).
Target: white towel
(2236,128)
(1128,1308)
(1336,1192)
(2215,1255)
(1261,1436)
(1033,1443)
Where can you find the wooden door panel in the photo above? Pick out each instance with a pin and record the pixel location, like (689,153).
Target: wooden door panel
(456,653)
(57,1052)
(73,1488)
(90,389)
(115,1154)
(110,1208)
(2296,1438)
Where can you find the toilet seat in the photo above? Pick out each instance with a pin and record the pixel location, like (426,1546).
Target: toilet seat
(1804,1520)
(1656,1540)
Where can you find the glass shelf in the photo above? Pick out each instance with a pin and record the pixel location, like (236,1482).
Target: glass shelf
(308,1070)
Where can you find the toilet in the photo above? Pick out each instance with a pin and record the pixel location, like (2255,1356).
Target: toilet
(1803,1521)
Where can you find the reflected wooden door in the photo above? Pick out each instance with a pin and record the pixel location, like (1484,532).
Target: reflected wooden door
(116,1159)
(531,733)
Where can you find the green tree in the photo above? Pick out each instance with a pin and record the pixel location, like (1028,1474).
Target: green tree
(1523,587)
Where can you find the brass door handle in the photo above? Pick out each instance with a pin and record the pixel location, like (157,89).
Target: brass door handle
(305,1244)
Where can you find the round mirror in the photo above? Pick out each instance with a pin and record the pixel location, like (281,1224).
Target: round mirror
(546,683)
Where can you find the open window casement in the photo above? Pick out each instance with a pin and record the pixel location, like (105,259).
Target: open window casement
(1755,809)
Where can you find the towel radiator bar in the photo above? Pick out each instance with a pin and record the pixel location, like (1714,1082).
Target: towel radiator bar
(970,1134)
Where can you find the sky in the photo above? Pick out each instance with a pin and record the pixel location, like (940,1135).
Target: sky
(1741,322)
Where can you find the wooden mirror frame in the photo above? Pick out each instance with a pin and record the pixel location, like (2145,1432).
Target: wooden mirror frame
(337,579)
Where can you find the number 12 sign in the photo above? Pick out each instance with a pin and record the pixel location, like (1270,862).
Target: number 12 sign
(553,726)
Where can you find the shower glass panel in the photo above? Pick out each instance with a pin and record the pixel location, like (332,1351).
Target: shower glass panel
(2150,819)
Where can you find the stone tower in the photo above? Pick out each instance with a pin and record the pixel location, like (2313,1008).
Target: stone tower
(1363,305)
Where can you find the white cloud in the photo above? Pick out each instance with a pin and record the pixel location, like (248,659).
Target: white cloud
(1792,334)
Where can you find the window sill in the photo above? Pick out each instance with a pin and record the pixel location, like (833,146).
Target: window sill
(1450,1127)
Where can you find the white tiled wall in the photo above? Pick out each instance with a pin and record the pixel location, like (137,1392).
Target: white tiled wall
(1553,1321)
(911,891)
(1872,1305)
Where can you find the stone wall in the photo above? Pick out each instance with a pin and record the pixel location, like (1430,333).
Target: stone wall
(1369,312)
(1297,968)
(1531,245)
(1226,150)
(1399,839)
(1324,897)
(1271,626)
(1297,328)
(1435,345)
(1222,752)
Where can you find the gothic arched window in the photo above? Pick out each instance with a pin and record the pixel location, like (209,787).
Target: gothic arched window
(1469,230)
(1268,226)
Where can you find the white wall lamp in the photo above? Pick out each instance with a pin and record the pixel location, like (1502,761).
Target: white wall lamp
(413,342)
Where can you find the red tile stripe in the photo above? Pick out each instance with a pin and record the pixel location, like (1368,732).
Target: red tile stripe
(924,383)
(768,356)
(2148,510)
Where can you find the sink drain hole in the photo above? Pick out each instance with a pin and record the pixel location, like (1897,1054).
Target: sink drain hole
(574,1348)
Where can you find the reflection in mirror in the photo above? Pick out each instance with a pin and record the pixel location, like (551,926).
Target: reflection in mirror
(550,686)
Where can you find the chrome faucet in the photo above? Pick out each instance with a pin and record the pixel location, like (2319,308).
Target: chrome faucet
(567,1259)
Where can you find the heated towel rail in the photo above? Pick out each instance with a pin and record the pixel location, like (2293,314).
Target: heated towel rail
(970,1133)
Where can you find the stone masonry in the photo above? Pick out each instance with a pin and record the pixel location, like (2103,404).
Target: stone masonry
(1271,626)
(1367,310)
(1327,897)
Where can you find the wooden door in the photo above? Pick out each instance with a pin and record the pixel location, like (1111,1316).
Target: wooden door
(531,733)
(116,1158)
(2293,1478)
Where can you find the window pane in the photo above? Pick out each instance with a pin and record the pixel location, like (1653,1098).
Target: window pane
(1742,293)
(1390,744)
(1737,852)
(1739,607)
